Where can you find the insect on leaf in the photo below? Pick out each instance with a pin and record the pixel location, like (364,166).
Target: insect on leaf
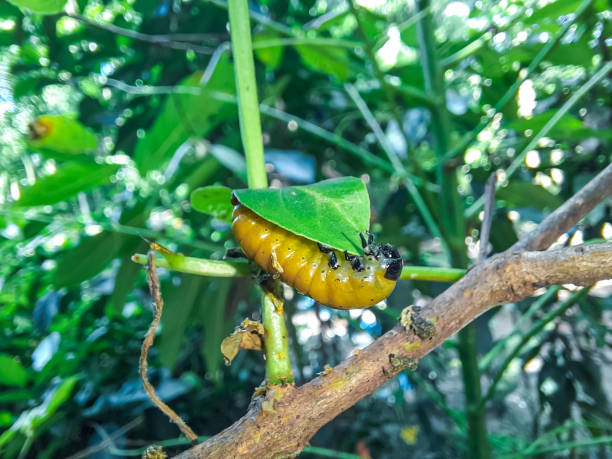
(332,212)
(61,134)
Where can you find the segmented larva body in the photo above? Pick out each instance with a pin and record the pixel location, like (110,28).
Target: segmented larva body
(333,280)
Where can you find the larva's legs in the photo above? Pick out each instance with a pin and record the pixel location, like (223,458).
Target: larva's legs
(366,242)
(333,260)
(235,252)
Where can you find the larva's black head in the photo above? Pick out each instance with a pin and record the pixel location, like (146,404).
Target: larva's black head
(388,256)
(394,267)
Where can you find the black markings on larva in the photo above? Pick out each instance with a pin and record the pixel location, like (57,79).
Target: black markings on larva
(333,260)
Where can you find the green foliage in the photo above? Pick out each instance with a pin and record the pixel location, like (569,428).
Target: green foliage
(30,422)
(271,56)
(332,212)
(87,259)
(522,194)
(41,6)
(13,373)
(139,103)
(213,200)
(61,135)
(193,111)
(332,61)
(66,182)
(568,127)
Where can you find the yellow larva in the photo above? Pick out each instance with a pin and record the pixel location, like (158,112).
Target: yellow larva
(330,277)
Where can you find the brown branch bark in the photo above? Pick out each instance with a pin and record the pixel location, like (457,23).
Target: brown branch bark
(568,214)
(282,421)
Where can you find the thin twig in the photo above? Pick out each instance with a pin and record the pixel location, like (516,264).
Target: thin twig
(569,213)
(489,210)
(158,305)
(161,40)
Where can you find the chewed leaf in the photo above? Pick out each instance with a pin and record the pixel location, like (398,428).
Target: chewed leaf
(249,335)
(213,200)
(61,134)
(332,212)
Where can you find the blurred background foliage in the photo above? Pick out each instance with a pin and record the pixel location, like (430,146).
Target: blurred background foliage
(113,111)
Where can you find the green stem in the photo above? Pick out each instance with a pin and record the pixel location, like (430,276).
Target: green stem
(387,89)
(200,266)
(451,208)
(339,141)
(313,41)
(410,22)
(218,268)
(453,224)
(477,429)
(429,273)
(567,106)
(479,41)
(276,339)
(69,222)
(537,328)
(248,107)
(564,446)
(518,161)
(375,127)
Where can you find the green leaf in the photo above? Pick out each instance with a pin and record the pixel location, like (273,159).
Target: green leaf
(41,6)
(186,115)
(568,127)
(31,83)
(537,122)
(124,283)
(213,200)
(180,300)
(17,395)
(61,134)
(326,59)
(575,53)
(67,181)
(5,418)
(87,259)
(332,212)
(552,11)
(30,420)
(525,194)
(12,373)
(271,56)
(211,313)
